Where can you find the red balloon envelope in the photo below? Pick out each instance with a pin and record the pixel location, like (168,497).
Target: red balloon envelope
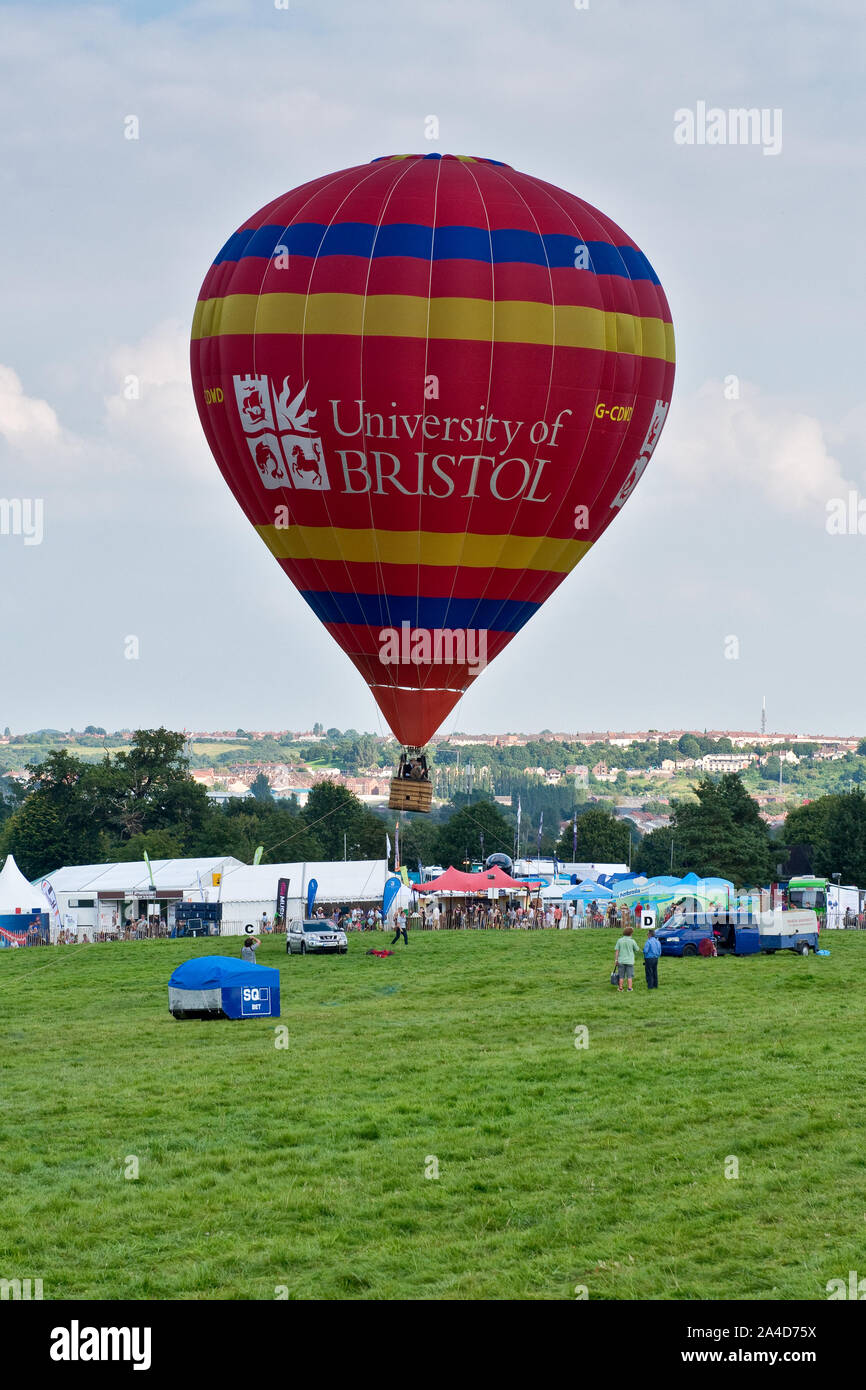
(431,383)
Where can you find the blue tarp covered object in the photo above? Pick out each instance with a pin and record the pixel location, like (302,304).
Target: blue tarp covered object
(211,986)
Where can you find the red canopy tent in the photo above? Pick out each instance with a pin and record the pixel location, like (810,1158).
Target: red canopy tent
(455,881)
(498,878)
(452,881)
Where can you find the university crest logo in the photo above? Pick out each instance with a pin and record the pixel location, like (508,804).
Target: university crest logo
(284,450)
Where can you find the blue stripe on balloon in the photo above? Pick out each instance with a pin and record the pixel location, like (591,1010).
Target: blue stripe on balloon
(502,246)
(385,610)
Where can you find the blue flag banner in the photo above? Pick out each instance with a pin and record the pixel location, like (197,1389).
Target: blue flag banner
(392,888)
(312,890)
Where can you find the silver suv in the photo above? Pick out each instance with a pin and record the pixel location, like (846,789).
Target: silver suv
(315,934)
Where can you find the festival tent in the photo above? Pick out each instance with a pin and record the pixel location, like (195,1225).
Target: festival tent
(455,881)
(452,881)
(23,909)
(552,892)
(666,890)
(498,878)
(249,890)
(16,894)
(625,883)
(587,892)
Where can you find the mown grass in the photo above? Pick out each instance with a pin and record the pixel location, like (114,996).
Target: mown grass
(304,1169)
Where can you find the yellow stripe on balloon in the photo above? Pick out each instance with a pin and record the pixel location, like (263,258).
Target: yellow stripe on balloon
(414,316)
(549,554)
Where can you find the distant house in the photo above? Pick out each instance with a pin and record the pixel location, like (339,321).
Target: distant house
(725,762)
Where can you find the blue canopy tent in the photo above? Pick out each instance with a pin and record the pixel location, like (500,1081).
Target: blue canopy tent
(587,892)
(222,987)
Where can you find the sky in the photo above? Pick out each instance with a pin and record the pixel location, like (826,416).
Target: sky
(729,576)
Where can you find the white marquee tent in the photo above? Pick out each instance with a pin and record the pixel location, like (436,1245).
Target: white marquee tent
(248,890)
(94,894)
(16,894)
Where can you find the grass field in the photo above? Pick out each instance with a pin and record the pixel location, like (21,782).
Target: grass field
(303,1170)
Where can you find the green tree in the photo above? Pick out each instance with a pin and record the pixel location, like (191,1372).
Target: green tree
(242,824)
(64,785)
(158,844)
(149,787)
(11,796)
(417,841)
(653,854)
(846,837)
(38,838)
(689,746)
(722,834)
(601,838)
(260,788)
(459,838)
(806,836)
(332,812)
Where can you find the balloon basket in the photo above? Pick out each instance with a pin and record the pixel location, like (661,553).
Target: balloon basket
(409,795)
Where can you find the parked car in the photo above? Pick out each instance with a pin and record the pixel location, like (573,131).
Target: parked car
(682,935)
(315,935)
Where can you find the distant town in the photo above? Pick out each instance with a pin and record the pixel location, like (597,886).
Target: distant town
(636,773)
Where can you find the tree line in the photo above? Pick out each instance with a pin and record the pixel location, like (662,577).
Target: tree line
(143,799)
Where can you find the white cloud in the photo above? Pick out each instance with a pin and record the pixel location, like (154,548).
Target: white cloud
(150,413)
(757,448)
(24,420)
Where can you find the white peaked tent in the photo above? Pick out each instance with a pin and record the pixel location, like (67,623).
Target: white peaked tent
(16,894)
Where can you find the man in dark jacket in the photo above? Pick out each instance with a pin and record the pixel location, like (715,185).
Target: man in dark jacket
(652,949)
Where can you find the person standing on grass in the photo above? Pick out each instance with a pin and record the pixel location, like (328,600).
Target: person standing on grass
(249,948)
(400,929)
(623,957)
(652,949)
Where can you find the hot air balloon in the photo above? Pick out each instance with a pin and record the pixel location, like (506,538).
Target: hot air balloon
(431,382)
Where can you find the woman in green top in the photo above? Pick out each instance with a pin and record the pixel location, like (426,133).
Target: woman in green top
(624,958)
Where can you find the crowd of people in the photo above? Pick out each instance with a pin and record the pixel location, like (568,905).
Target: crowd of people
(531,916)
(428,914)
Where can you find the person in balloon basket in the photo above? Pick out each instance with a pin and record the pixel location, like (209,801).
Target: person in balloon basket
(623,957)
(652,949)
